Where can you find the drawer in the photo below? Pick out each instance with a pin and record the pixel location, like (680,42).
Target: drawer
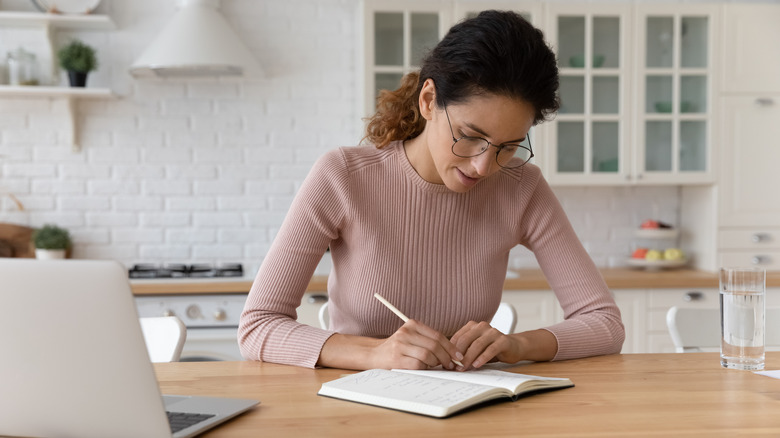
(749,238)
(769,260)
(666,298)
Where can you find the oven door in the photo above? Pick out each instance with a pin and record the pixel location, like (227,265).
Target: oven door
(211,344)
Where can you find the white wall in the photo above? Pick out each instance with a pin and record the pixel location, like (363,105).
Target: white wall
(204,170)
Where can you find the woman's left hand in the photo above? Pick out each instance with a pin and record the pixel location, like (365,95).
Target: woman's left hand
(480,343)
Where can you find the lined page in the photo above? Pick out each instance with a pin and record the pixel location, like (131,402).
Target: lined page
(404,391)
(501,379)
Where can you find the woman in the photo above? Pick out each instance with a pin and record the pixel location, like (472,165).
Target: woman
(427,217)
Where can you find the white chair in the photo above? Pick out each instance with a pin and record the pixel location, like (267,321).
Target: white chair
(697,329)
(164,337)
(504,320)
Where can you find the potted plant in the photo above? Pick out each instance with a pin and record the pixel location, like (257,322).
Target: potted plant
(78,59)
(51,242)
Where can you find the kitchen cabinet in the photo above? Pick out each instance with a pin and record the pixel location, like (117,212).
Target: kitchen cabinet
(675,83)
(535,309)
(632,304)
(749,157)
(659,301)
(397,35)
(48,24)
(588,141)
(749,211)
(644,315)
(639,112)
(749,246)
(751,41)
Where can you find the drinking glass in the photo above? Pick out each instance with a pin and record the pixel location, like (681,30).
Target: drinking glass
(742,318)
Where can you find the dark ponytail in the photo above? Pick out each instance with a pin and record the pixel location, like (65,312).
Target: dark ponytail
(496,52)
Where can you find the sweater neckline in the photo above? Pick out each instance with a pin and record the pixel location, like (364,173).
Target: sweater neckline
(412,174)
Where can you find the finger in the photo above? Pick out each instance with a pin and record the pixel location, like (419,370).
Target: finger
(470,333)
(422,355)
(411,345)
(435,342)
(488,354)
(483,348)
(462,331)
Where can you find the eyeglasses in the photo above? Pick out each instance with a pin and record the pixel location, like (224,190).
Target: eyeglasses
(508,155)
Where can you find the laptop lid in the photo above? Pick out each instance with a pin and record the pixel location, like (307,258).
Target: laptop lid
(74,359)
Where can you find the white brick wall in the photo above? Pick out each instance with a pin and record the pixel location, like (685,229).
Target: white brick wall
(205,170)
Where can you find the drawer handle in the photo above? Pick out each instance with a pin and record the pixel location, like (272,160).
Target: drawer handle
(765,101)
(318,299)
(760,237)
(693,296)
(759,260)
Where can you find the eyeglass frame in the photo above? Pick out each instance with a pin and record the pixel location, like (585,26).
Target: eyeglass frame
(499,146)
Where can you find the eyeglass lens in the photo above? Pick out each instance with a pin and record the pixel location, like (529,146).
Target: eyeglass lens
(514,155)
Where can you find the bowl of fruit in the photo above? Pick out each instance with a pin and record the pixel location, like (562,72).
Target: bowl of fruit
(654,259)
(654,229)
(654,235)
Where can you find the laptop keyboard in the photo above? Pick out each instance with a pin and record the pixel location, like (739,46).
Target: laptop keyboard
(182,420)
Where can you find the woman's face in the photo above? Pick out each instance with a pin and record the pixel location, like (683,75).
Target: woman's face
(498,119)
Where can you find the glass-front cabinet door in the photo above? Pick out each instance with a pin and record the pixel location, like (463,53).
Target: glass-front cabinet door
(589,138)
(398,34)
(674,80)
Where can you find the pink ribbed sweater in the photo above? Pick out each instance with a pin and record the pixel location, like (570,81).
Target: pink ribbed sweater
(439,256)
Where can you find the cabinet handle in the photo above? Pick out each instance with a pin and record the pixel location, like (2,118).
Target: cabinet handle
(318,299)
(759,260)
(765,101)
(693,296)
(760,237)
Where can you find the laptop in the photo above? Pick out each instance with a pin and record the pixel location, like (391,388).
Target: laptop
(74,362)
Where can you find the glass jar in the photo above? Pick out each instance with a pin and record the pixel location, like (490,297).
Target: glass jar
(22,68)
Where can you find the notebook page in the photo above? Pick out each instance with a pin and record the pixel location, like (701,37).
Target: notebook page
(378,386)
(502,379)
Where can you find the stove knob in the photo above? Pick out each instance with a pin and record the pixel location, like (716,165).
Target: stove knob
(193,312)
(220,315)
(169,312)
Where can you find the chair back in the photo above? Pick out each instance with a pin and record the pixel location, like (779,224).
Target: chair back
(504,320)
(698,329)
(164,337)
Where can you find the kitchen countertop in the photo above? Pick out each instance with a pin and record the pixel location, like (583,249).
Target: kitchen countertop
(526,279)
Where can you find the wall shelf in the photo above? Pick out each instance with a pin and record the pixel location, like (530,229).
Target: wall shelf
(69,94)
(37,19)
(49,23)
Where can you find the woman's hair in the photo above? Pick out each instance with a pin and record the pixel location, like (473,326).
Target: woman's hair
(496,52)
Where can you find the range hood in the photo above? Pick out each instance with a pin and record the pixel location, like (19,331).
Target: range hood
(197,42)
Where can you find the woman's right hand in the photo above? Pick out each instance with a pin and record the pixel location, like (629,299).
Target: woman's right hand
(415,346)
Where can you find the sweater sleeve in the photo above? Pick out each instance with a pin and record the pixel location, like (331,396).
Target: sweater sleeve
(592,324)
(268,330)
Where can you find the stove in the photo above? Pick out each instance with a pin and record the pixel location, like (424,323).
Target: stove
(211,319)
(181,270)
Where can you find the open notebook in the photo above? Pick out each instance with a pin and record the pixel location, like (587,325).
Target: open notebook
(436,393)
(74,362)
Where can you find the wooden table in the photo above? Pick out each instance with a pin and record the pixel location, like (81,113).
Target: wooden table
(668,395)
